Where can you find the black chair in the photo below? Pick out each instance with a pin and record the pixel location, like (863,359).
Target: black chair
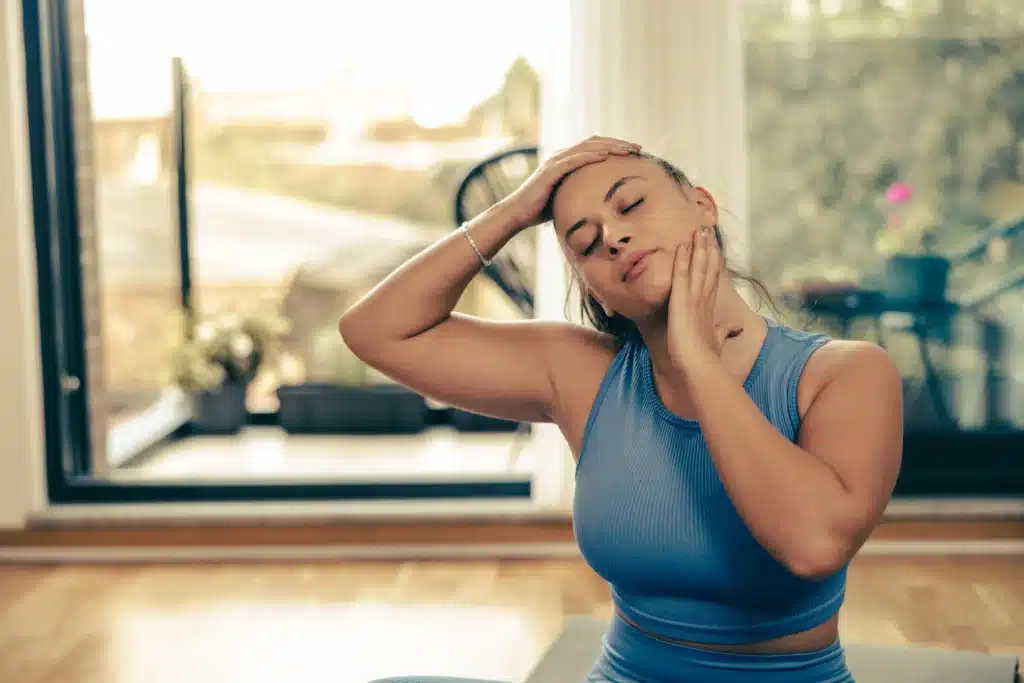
(483,186)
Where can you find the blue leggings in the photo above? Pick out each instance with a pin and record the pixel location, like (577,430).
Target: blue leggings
(629,655)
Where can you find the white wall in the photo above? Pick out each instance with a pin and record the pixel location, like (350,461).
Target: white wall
(21,446)
(664,73)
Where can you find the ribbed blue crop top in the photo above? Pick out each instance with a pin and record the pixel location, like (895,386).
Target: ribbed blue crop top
(653,519)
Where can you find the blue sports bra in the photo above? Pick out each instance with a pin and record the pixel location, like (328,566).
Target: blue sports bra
(653,519)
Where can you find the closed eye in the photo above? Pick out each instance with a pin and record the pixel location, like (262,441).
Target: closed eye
(597,237)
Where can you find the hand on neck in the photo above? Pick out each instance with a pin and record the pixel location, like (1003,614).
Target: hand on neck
(733,314)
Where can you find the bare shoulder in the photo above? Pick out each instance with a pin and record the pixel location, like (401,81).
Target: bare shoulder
(580,367)
(860,366)
(571,343)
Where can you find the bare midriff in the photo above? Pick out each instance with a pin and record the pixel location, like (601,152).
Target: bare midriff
(811,640)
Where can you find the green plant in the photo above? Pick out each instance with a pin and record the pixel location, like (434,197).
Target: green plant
(232,348)
(910,226)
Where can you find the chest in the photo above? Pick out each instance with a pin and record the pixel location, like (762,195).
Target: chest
(653,517)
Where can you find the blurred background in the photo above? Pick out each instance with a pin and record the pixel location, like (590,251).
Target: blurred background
(256,171)
(195,191)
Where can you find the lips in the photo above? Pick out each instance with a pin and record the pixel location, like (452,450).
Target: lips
(636,264)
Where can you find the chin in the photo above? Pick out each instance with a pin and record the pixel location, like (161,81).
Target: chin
(647,296)
(650,302)
(655,288)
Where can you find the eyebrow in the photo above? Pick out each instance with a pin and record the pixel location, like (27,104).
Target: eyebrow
(607,198)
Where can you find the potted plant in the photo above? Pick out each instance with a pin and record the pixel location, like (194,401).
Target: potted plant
(347,396)
(915,275)
(215,357)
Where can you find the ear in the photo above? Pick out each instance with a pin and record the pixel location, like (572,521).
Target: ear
(706,205)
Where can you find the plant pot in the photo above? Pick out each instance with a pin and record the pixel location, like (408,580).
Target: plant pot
(221,411)
(465,421)
(316,408)
(916,281)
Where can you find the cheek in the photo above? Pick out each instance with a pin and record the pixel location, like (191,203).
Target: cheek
(675,221)
(600,278)
(680,230)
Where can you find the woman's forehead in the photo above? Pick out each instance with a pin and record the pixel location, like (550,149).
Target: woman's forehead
(591,185)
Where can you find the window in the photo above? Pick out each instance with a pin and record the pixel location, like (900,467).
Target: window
(892,207)
(212,169)
(135,286)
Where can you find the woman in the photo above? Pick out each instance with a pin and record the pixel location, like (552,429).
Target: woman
(728,467)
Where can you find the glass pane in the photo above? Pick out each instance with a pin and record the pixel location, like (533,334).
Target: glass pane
(327,141)
(129,229)
(892,206)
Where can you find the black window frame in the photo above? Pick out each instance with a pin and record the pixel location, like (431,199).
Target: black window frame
(61,315)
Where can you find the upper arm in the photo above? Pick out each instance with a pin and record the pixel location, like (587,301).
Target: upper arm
(498,368)
(854,423)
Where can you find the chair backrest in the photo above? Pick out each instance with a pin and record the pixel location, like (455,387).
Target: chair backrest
(486,184)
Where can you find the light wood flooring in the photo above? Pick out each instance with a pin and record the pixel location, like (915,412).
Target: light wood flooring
(349,622)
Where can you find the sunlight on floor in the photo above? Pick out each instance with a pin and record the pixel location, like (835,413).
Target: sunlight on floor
(269,453)
(340,642)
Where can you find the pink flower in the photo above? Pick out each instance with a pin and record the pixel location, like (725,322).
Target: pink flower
(899,193)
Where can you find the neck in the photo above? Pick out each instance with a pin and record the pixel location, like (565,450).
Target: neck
(738,351)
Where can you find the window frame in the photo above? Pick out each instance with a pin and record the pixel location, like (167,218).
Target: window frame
(935,464)
(61,316)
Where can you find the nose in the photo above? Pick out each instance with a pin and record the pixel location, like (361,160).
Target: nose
(616,237)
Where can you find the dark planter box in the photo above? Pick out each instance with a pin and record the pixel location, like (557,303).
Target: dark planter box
(465,421)
(219,412)
(913,281)
(316,408)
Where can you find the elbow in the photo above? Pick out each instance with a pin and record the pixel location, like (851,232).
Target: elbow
(816,568)
(354,333)
(819,560)
(826,547)
(345,326)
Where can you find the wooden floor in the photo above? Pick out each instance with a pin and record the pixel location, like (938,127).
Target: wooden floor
(353,621)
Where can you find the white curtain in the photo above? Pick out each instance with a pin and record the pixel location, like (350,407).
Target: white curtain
(669,75)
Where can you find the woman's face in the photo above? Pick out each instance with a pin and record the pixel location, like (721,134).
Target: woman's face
(620,222)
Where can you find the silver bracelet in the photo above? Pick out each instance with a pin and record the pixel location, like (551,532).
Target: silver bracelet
(465,231)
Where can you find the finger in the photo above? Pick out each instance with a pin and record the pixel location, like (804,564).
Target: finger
(699,262)
(573,153)
(681,262)
(611,140)
(715,263)
(612,145)
(568,164)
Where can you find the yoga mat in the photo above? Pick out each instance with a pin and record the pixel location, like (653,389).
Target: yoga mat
(569,658)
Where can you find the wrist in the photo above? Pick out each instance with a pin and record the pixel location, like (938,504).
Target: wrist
(699,366)
(498,219)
